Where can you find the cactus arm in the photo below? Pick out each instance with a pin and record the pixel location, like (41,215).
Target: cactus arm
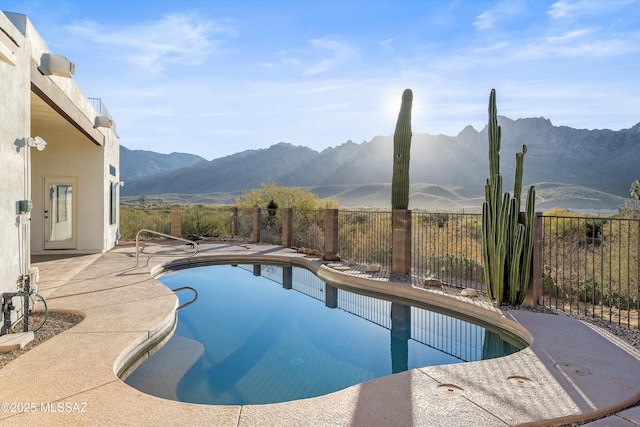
(494,136)
(514,273)
(517,183)
(527,250)
(487,232)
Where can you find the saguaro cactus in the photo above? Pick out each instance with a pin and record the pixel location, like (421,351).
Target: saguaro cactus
(507,244)
(401,149)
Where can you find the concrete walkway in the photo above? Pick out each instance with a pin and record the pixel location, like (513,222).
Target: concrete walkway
(571,371)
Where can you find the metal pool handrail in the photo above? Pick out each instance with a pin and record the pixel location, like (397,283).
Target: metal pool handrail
(168,236)
(186,288)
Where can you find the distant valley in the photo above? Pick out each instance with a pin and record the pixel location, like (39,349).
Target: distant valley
(572,168)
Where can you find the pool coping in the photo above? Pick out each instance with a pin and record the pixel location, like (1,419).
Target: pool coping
(571,371)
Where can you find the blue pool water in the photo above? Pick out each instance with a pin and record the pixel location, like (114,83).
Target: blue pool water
(269,335)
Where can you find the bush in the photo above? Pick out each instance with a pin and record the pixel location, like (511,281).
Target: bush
(134,219)
(206,221)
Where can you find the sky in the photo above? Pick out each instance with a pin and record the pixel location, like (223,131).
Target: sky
(216,77)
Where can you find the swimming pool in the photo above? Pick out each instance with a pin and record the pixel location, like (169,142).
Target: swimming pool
(273,333)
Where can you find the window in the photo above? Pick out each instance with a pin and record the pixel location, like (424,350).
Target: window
(113,203)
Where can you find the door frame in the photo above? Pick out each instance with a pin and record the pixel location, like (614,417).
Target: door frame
(60,180)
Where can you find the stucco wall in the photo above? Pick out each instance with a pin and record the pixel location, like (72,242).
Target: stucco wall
(64,159)
(69,152)
(111,158)
(14,113)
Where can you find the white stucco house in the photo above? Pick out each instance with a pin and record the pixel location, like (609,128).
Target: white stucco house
(59,157)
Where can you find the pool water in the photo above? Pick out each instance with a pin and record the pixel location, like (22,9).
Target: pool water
(273,334)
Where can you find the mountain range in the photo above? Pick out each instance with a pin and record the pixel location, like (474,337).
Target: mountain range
(571,168)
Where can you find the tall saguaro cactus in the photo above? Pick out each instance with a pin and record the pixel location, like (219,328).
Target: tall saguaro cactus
(401,149)
(507,244)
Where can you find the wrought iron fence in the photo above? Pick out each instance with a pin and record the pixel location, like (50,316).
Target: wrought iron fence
(136,218)
(364,237)
(271,226)
(308,229)
(206,221)
(590,266)
(448,247)
(245,224)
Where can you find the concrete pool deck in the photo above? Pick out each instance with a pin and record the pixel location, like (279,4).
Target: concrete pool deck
(572,371)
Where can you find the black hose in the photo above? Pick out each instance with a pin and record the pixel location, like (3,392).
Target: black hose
(44,317)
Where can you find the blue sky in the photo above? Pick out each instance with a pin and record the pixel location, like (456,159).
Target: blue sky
(217,77)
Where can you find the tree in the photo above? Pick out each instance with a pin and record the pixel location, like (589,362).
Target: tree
(283,197)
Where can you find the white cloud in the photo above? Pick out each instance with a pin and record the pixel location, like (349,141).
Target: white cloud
(177,38)
(585,42)
(574,8)
(342,106)
(339,52)
(502,11)
(386,44)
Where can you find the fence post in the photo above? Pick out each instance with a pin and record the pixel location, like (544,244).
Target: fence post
(287,227)
(330,233)
(176,220)
(234,221)
(401,241)
(534,291)
(257,223)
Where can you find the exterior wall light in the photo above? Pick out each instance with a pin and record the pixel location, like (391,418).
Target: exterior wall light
(56,65)
(37,142)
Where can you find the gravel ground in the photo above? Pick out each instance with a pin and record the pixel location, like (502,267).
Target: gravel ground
(55,323)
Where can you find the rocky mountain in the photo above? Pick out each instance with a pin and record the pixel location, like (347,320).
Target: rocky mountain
(137,164)
(599,164)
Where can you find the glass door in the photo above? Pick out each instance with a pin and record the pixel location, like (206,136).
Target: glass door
(60,213)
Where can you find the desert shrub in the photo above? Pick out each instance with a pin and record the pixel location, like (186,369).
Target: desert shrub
(439,219)
(134,219)
(206,221)
(454,265)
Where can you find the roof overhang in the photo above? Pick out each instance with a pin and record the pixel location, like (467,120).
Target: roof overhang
(51,109)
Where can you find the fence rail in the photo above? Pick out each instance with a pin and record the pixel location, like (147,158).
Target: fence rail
(588,264)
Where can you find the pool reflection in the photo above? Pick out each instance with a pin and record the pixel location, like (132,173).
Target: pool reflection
(266,344)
